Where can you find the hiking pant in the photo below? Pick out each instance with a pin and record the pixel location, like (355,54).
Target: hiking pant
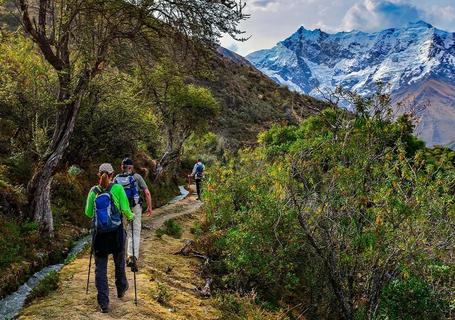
(137,210)
(101,276)
(199,188)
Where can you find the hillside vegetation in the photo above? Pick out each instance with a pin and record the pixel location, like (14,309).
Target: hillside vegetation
(343,216)
(214,107)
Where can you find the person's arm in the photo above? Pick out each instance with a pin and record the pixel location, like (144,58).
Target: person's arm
(124,204)
(89,205)
(194,170)
(148,201)
(148,196)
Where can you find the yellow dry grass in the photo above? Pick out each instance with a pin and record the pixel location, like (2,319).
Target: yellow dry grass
(176,277)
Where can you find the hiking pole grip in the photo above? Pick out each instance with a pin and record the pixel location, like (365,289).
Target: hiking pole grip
(135,260)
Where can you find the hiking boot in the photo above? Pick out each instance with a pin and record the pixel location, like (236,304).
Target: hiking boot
(122,293)
(104,309)
(132,263)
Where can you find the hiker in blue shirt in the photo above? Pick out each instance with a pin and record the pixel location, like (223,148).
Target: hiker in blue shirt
(198,174)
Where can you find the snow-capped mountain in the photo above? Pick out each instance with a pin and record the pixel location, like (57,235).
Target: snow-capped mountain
(312,61)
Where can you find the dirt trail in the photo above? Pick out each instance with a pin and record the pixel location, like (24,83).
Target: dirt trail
(176,277)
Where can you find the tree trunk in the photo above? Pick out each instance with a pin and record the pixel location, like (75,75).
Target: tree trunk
(39,187)
(169,157)
(332,273)
(172,154)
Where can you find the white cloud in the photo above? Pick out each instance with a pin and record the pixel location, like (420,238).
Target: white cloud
(373,15)
(263,3)
(274,20)
(443,15)
(234,47)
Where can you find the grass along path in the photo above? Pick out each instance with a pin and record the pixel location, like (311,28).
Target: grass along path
(162,276)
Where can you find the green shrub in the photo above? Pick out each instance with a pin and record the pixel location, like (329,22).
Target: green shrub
(74,171)
(320,211)
(29,226)
(171,228)
(161,294)
(410,299)
(11,247)
(196,229)
(235,307)
(47,285)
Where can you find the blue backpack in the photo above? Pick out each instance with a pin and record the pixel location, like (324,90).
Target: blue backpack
(128,183)
(199,171)
(107,217)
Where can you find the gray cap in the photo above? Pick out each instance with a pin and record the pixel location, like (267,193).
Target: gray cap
(106,167)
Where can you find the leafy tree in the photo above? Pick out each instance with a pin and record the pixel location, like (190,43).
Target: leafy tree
(26,90)
(184,109)
(77,38)
(114,121)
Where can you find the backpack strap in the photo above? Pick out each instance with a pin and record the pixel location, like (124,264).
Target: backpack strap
(97,190)
(110,187)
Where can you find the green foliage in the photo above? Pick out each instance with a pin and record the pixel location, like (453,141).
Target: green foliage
(183,108)
(69,195)
(259,243)
(114,121)
(325,211)
(47,285)
(234,307)
(29,226)
(11,249)
(74,171)
(12,197)
(208,147)
(161,294)
(27,88)
(410,299)
(196,229)
(171,228)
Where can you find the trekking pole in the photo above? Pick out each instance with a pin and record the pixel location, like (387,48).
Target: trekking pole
(89,266)
(135,260)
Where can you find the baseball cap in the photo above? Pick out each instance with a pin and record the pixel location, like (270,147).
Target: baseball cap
(106,167)
(127,162)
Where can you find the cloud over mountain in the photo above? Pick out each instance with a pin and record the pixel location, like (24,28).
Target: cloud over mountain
(263,3)
(371,15)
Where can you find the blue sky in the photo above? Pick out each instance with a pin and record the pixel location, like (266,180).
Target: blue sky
(274,20)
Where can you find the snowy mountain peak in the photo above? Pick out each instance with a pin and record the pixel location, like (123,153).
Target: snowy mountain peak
(420,23)
(311,61)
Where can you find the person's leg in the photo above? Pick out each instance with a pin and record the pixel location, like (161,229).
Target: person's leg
(120,275)
(101,281)
(198,188)
(137,210)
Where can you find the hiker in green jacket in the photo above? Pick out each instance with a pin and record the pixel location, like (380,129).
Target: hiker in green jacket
(106,203)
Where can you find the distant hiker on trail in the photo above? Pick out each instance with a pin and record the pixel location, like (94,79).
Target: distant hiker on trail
(132,183)
(106,203)
(198,174)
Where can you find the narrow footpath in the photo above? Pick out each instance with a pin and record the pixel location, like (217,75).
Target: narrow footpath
(163,276)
